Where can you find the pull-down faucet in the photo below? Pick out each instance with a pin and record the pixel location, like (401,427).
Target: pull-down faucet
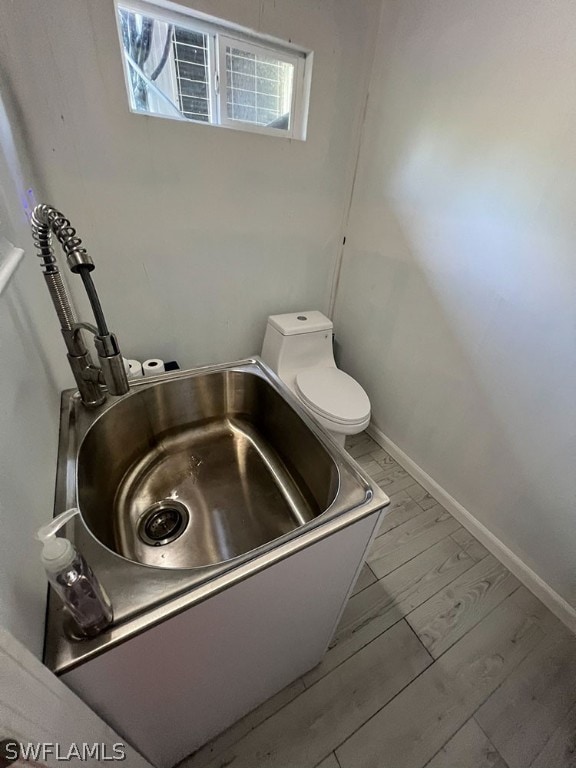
(46,221)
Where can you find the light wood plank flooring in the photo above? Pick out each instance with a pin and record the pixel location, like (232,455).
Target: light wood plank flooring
(442,659)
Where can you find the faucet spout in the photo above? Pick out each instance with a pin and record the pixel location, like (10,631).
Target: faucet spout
(47,221)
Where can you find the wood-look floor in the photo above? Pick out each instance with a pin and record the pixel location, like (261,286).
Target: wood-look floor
(442,659)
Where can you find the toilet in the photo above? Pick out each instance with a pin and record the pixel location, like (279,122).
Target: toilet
(298,348)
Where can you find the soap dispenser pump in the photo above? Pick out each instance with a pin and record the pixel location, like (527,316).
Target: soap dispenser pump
(73,580)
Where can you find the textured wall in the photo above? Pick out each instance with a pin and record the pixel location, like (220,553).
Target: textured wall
(457,306)
(28,407)
(28,441)
(198,232)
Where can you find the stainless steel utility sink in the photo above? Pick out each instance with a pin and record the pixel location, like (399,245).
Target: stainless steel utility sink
(198,470)
(190,483)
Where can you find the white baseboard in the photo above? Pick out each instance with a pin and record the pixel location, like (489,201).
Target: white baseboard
(551,599)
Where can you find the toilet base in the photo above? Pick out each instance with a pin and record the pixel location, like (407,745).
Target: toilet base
(339,437)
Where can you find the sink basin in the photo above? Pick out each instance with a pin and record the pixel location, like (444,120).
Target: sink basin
(196,471)
(191,484)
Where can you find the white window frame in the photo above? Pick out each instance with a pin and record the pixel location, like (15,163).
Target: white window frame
(295,106)
(221,34)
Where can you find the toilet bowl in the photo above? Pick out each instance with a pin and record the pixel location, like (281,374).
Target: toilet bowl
(298,347)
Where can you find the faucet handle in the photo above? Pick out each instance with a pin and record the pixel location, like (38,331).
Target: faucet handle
(112,364)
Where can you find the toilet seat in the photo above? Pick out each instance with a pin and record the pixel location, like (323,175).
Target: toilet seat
(333,394)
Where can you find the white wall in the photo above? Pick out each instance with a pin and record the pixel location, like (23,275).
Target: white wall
(198,233)
(457,299)
(28,407)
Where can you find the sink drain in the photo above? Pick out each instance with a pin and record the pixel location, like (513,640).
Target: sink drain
(163,522)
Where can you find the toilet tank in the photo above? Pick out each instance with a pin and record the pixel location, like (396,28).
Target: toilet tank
(296,341)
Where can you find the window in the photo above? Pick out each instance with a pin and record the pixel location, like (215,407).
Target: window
(188,66)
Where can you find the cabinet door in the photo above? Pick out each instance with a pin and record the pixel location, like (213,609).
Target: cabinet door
(172,688)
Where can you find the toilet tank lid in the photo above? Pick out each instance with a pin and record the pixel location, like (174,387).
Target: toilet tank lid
(300,322)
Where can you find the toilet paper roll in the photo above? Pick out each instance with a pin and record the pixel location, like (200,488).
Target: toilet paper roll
(153,367)
(134,368)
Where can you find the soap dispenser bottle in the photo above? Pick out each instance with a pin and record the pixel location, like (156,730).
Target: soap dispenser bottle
(73,580)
